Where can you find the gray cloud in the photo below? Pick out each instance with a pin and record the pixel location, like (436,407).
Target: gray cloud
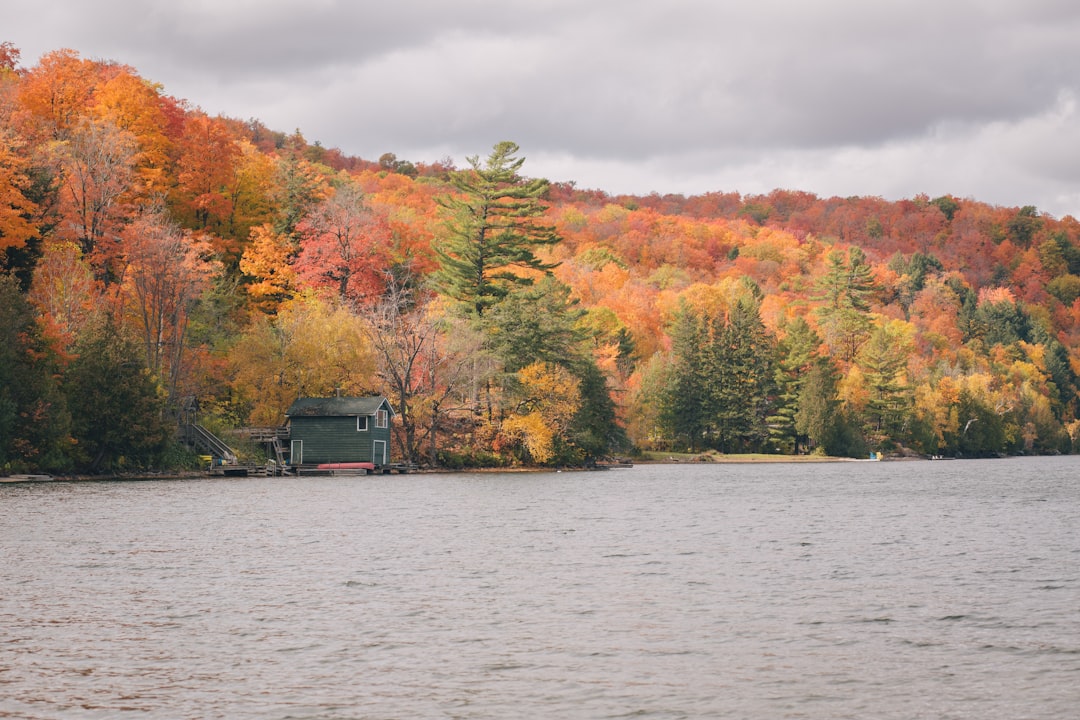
(973,98)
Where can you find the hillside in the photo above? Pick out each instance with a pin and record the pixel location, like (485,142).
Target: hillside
(157,259)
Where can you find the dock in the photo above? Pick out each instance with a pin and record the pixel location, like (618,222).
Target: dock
(26,478)
(316,471)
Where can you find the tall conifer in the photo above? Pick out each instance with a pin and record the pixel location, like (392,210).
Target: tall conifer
(846,290)
(494,224)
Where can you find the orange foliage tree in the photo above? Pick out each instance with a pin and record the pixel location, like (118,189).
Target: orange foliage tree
(133,105)
(267,261)
(342,246)
(15,207)
(58,90)
(97,163)
(206,177)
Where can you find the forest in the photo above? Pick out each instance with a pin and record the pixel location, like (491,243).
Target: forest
(157,262)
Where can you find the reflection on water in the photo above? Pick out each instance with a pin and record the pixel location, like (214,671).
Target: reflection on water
(883,590)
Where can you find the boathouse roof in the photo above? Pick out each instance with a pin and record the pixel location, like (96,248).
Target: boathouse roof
(338,406)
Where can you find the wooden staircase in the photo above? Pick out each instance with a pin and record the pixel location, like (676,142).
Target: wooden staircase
(207,442)
(225,460)
(274,439)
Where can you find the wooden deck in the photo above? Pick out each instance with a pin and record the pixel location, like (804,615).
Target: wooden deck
(239,470)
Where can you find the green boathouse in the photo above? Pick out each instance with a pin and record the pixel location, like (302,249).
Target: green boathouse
(339,430)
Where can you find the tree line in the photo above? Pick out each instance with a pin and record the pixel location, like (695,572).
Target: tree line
(156,259)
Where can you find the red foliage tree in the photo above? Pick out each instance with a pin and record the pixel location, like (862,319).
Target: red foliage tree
(343,246)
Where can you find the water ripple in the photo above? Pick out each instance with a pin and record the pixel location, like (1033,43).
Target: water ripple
(827,591)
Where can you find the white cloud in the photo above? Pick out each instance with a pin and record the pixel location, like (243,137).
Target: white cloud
(973,97)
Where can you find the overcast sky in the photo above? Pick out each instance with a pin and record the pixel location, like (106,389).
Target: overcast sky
(974,98)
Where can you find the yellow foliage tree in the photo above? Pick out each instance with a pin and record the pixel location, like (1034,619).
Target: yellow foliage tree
(256,183)
(311,348)
(853,392)
(548,399)
(936,406)
(532,431)
(63,290)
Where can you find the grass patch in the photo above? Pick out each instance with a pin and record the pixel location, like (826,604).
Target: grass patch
(709,456)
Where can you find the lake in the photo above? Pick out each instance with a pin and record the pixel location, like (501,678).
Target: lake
(840,590)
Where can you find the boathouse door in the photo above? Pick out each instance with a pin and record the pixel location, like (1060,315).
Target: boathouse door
(379,452)
(296,452)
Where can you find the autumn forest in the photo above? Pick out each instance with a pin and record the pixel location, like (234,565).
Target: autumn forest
(158,263)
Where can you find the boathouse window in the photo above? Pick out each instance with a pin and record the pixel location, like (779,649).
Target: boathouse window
(382,418)
(361,423)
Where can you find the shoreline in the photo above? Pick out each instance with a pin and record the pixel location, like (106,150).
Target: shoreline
(703,459)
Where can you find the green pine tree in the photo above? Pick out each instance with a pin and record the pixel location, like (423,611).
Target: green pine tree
(884,360)
(741,378)
(720,383)
(595,432)
(34,421)
(538,323)
(494,224)
(845,293)
(820,417)
(796,355)
(685,405)
(115,407)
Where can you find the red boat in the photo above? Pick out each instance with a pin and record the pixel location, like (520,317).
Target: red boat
(346,466)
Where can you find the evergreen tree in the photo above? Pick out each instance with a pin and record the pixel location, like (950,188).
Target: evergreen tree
(685,407)
(595,431)
(884,360)
(721,378)
(741,361)
(796,355)
(820,416)
(818,407)
(116,411)
(537,323)
(1003,323)
(540,323)
(33,416)
(1063,379)
(494,224)
(845,293)
(968,320)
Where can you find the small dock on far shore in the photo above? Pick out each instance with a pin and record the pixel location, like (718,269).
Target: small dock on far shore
(26,478)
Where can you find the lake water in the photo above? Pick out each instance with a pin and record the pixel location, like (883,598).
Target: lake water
(840,590)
